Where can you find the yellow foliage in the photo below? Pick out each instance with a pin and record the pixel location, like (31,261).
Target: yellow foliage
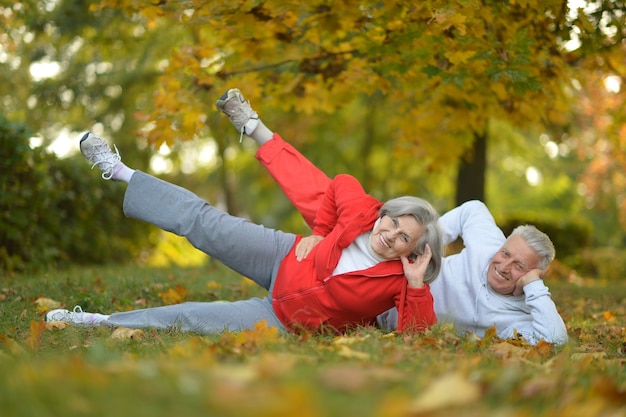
(175,295)
(459,57)
(456,64)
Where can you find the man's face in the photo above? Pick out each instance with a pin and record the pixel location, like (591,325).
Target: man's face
(510,263)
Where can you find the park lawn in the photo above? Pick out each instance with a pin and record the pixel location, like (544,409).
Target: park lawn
(73,371)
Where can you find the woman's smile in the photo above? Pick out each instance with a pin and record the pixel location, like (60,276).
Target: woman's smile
(394,237)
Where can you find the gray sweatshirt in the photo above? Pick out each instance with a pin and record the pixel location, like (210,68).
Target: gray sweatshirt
(463,297)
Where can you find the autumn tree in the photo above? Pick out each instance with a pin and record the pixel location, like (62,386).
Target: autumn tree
(426,78)
(446,68)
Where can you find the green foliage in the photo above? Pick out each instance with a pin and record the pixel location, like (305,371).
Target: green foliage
(602,263)
(54,211)
(569,234)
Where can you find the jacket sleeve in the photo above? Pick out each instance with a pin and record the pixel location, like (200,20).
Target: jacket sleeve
(415,309)
(302,182)
(343,199)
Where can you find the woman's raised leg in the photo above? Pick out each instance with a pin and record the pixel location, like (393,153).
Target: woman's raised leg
(303,183)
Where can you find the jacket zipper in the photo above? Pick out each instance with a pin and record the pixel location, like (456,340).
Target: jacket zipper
(300,293)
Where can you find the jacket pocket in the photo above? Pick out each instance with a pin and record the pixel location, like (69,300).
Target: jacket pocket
(302,309)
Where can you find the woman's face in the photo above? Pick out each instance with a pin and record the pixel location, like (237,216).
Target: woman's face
(394,237)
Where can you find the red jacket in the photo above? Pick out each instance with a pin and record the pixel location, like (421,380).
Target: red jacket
(307,295)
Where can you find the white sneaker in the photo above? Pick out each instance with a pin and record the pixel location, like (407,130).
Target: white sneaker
(238,110)
(98,151)
(77,316)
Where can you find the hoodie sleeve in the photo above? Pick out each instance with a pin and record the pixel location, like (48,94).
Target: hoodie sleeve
(545,321)
(472,222)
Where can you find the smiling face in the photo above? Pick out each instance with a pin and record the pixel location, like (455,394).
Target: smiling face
(510,263)
(394,237)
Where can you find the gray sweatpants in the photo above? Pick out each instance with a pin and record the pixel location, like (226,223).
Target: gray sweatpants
(251,250)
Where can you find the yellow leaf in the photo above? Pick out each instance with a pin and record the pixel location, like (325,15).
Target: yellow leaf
(56,325)
(395,25)
(12,346)
(459,57)
(46,304)
(505,350)
(261,334)
(174,295)
(608,316)
(124,333)
(348,340)
(450,390)
(346,352)
(587,357)
(499,89)
(213,285)
(34,338)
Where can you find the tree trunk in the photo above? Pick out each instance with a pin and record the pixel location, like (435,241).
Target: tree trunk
(470,182)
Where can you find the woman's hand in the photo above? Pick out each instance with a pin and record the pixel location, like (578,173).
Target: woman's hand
(306,245)
(414,271)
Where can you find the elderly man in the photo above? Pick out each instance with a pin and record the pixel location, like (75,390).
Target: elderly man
(494,281)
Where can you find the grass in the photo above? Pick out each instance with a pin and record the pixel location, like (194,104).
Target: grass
(76,371)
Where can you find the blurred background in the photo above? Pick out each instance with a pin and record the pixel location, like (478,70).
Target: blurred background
(519,104)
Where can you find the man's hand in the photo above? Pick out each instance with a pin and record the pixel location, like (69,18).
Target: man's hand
(306,245)
(414,271)
(530,276)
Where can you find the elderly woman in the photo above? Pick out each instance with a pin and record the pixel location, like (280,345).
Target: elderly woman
(364,257)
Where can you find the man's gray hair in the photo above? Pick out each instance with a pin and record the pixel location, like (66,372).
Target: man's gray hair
(538,242)
(426,215)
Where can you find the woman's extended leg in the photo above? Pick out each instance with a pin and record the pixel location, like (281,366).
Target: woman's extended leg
(199,317)
(250,249)
(302,182)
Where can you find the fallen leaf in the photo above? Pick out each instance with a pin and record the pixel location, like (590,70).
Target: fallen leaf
(262,334)
(587,356)
(450,390)
(213,285)
(609,316)
(348,340)
(126,333)
(346,352)
(13,347)
(174,295)
(46,304)
(56,325)
(34,338)
(507,351)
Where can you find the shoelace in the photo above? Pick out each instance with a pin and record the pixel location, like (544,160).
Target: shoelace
(110,158)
